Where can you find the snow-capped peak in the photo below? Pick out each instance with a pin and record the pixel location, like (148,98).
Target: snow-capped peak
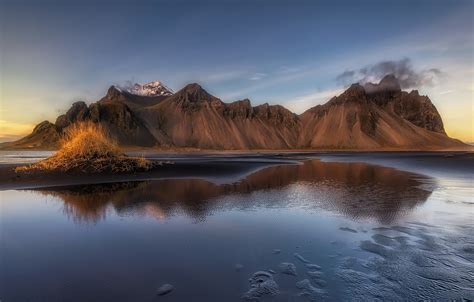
(155,88)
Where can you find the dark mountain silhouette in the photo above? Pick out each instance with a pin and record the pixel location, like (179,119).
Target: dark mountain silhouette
(369,116)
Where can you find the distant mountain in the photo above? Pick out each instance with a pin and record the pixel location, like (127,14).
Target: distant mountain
(155,88)
(370,116)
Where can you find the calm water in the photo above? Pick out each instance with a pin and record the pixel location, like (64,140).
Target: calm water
(15,157)
(322,230)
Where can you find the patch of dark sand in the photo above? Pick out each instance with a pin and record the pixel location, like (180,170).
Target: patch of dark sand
(406,230)
(421,224)
(313,266)
(362,286)
(381,229)
(469,249)
(402,240)
(422,236)
(375,248)
(315,274)
(422,261)
(288,268)
(385,240)
(261,284)
(310,291)
(301,258)
(317,277)
(348,229)
(165,289)
(349,263)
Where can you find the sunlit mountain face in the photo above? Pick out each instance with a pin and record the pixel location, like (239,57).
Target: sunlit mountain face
(364,117)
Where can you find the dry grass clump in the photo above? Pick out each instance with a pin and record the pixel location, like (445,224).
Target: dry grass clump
(87,148)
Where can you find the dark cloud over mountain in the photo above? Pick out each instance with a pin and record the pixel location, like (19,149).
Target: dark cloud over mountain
(403,70)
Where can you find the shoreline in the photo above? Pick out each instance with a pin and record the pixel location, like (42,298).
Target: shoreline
(232,167)
(185,150)
(214,169)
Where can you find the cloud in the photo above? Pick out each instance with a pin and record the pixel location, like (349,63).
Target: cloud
(125,85)
(446,92)
(403,70)
(346,77)
(302,103)
(257,76)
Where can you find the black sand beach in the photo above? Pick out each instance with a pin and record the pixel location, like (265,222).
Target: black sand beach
(229,167)
(306,226)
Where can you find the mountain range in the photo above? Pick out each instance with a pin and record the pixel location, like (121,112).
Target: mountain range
(370,116)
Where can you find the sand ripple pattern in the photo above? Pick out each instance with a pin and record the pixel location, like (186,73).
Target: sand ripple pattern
(413,262)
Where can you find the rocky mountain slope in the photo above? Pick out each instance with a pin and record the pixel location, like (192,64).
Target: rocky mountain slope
(370,116)
(375,116)
(194,118)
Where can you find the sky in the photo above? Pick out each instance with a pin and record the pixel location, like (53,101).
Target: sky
(295,53)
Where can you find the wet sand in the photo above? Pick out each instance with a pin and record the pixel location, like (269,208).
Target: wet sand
(334,228)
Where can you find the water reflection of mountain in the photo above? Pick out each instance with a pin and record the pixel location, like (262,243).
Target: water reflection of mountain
(356,190)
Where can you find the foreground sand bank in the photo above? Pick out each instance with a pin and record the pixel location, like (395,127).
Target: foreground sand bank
(214,168)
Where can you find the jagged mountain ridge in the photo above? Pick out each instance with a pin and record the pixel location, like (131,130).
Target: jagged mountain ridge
(155,88)
(194,118)
(375,119)
(369,116)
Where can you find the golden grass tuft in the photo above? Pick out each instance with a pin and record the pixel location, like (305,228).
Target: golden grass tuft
(87,148)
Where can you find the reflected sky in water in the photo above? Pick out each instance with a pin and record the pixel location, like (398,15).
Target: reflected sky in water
(355,221)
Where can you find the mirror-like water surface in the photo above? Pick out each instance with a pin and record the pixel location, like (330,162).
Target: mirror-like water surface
(314,231)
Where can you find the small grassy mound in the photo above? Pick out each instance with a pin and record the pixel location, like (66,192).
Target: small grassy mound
(87,148)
